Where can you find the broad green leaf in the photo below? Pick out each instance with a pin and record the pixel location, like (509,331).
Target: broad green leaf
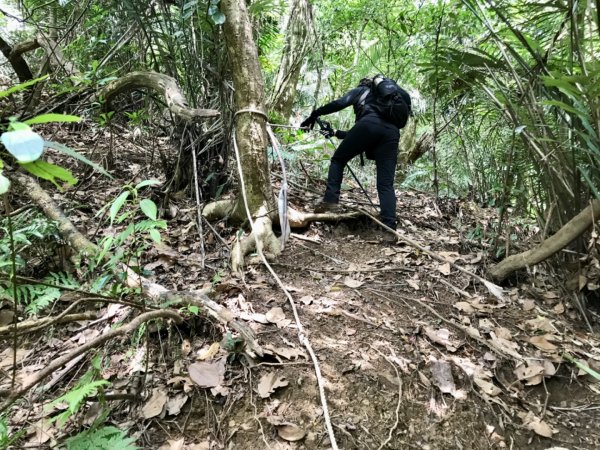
(50,172)
(20,87)
(68,151)
(155,235)
(148,207)
(145,183)
(4,184)
(47,118)
(117,205)
(25,145)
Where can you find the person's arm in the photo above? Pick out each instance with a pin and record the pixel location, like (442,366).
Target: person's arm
(340,134)
(337,105)
(343,102)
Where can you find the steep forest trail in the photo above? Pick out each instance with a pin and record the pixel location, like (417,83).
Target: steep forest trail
(413,353)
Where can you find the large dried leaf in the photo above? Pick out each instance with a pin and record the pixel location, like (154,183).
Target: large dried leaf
(486,386)
(531,373)
(269,382)
(208,374)
(540,324)
(175,404)
(537,425)
(441,372)
(441,336)
(291,432)
(542,343)
(352,283)
(155,404)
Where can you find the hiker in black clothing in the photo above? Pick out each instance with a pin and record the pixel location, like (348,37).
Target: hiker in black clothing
(371,134)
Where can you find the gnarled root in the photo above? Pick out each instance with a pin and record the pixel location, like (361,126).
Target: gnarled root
(262,236)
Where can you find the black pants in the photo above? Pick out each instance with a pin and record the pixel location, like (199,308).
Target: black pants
(379,140)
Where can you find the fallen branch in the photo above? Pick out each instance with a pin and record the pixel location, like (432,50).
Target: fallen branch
(29,326)
(59,362)
(154,291)
(563,237)
(162,84)
(17,62)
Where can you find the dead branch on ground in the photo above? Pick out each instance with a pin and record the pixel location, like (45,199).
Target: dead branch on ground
(563,237)
(59,362)
(154,291)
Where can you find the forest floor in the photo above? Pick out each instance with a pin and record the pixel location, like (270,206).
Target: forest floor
(413,353)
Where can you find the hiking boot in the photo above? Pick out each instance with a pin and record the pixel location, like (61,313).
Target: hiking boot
(327,207)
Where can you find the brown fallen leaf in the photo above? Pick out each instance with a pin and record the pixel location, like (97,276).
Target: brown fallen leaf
(534,423)
(542,343)
(291,432)
(441,336)
(174,404)
(444,269)
(155,404)
(540,324)
(269,382)
(487,387)
(528,305)
(531,373)
(352,283)
(441,372)
(208,374)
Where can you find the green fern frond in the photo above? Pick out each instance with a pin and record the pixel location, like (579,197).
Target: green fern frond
(75,398)
(105,438)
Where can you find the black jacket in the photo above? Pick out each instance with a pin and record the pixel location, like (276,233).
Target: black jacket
(352,97)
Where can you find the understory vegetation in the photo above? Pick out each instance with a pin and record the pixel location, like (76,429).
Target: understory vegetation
(118,124)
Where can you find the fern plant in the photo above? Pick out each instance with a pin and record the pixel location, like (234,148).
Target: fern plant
(105,438)
(88,385)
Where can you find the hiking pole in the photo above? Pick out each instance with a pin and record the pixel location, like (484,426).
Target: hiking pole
(326,131)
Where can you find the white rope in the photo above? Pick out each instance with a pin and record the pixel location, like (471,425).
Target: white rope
(301,336)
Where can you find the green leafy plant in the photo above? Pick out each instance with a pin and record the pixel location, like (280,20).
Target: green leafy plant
(88,385)
(104,438)
(140,227)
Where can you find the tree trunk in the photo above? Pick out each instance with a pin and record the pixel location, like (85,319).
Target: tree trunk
(563,237)
(296,48)
(17,62)
(250,135)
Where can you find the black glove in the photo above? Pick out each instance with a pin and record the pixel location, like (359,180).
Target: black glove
(310,122)
(326,129)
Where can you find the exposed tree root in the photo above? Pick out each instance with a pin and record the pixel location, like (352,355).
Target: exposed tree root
(17,62)
(59,362)
(154,291)
(563,237)
(162,84)
(31,325)
(263,228)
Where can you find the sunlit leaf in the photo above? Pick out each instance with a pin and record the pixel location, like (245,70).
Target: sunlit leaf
(4,184)
(149,208)
(47,118)
(25,145)
(50,172)
(117,205)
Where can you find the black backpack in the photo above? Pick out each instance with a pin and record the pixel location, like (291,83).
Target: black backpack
(390,101)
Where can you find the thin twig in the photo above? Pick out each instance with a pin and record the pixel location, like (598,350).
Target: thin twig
(59,362)
(387,441)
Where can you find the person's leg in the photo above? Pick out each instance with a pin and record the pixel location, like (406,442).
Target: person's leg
(386,156)
(354,143)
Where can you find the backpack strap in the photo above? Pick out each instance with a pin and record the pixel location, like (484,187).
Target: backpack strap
(361,100)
